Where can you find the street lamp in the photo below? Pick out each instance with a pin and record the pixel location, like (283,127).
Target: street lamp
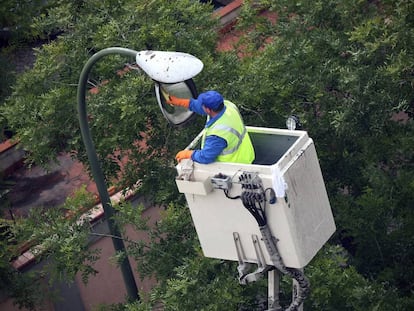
(163,67)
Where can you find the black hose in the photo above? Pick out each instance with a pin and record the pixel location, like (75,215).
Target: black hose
(254,199)
(298,275)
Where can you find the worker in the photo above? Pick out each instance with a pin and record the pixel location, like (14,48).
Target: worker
(225,138)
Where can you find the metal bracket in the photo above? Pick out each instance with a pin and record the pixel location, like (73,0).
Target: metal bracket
(187,168)
(273,281)
(244,267)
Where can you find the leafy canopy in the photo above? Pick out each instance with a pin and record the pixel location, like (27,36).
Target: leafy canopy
(345,67)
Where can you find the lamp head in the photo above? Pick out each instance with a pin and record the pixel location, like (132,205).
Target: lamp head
(169,67)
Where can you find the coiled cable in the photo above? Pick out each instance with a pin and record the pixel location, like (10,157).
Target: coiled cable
(254,200)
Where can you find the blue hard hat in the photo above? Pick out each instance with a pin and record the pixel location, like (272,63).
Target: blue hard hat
(211,99)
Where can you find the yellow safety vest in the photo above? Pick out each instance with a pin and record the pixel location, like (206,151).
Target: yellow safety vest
(231,128)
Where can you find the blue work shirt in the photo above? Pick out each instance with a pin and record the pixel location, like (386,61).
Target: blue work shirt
(213,144)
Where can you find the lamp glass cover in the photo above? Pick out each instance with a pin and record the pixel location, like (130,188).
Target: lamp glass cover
(176,115)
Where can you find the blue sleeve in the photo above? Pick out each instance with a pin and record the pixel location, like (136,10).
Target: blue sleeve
(213,146)
(196,107)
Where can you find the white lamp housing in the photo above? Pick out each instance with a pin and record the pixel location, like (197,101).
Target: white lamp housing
(169,67)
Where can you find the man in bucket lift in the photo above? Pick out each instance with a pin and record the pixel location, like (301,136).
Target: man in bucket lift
(225,138)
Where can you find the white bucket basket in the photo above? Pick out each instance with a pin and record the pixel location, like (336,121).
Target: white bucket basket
(301,220)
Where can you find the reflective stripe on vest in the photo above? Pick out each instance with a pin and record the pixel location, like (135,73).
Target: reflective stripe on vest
(233,131)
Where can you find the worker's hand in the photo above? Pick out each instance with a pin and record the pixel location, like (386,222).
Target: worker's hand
(183,154)
(175,101)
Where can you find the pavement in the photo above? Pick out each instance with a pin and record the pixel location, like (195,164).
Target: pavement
(37,187)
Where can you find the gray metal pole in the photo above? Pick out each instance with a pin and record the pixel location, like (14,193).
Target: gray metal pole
(128,276)
(273,290)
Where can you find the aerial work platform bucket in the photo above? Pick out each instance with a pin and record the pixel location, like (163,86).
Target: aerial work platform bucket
(297,210)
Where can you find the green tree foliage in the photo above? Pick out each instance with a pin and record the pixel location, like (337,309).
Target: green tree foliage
(345,67)
(16,19)
(54,235)
(338,286)
(171,241)
(186,279)
(61,237)
(190,281)
(42,107)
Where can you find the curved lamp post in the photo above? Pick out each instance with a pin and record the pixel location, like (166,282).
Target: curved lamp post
(162,67)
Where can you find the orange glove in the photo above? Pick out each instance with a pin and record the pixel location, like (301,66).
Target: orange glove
(176,101)
(183,154)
